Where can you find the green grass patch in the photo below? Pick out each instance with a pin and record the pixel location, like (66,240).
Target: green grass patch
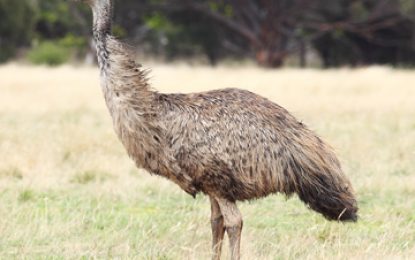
(26,195)
(91,176)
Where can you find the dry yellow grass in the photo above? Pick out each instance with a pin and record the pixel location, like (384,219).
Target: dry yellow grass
(68,190)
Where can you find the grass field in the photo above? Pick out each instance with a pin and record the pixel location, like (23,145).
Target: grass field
(69,191)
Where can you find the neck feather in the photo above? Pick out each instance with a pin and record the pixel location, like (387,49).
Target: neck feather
(102,12)
(121,77)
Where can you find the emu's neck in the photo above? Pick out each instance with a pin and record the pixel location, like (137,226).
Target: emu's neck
(123,81)
(102,12)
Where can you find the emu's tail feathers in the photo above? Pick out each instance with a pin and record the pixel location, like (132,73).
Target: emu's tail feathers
(316,176)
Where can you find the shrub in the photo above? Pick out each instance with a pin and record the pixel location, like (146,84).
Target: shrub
(50,53)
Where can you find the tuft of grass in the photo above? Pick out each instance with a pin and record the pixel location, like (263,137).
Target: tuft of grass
(84,177)
(90,176)
(12,172)
(26,195)
(66,156)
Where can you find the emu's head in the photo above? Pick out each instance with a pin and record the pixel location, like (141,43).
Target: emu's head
(85,1)
(93,2)
(90,2)
(100,8)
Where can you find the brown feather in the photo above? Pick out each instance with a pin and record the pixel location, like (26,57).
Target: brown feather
(229,143)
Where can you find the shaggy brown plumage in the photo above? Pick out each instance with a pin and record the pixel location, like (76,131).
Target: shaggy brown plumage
(230,144)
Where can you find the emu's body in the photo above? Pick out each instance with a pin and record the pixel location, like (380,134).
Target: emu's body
(230,144)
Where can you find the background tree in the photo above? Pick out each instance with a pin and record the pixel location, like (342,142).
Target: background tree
(268,30)
(342,32)
(17,20)
(364,32)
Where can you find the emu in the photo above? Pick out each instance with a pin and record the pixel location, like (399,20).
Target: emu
(229,144)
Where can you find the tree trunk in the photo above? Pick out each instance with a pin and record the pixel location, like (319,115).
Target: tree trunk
(303,54)
(270,59)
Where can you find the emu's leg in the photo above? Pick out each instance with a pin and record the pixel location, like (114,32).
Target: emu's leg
(218,228)
(233,223)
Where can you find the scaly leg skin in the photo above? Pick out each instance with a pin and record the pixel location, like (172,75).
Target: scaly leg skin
(218,228)
(233,223)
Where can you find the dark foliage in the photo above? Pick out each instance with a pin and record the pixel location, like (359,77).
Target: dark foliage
(343,32)
(16,26)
